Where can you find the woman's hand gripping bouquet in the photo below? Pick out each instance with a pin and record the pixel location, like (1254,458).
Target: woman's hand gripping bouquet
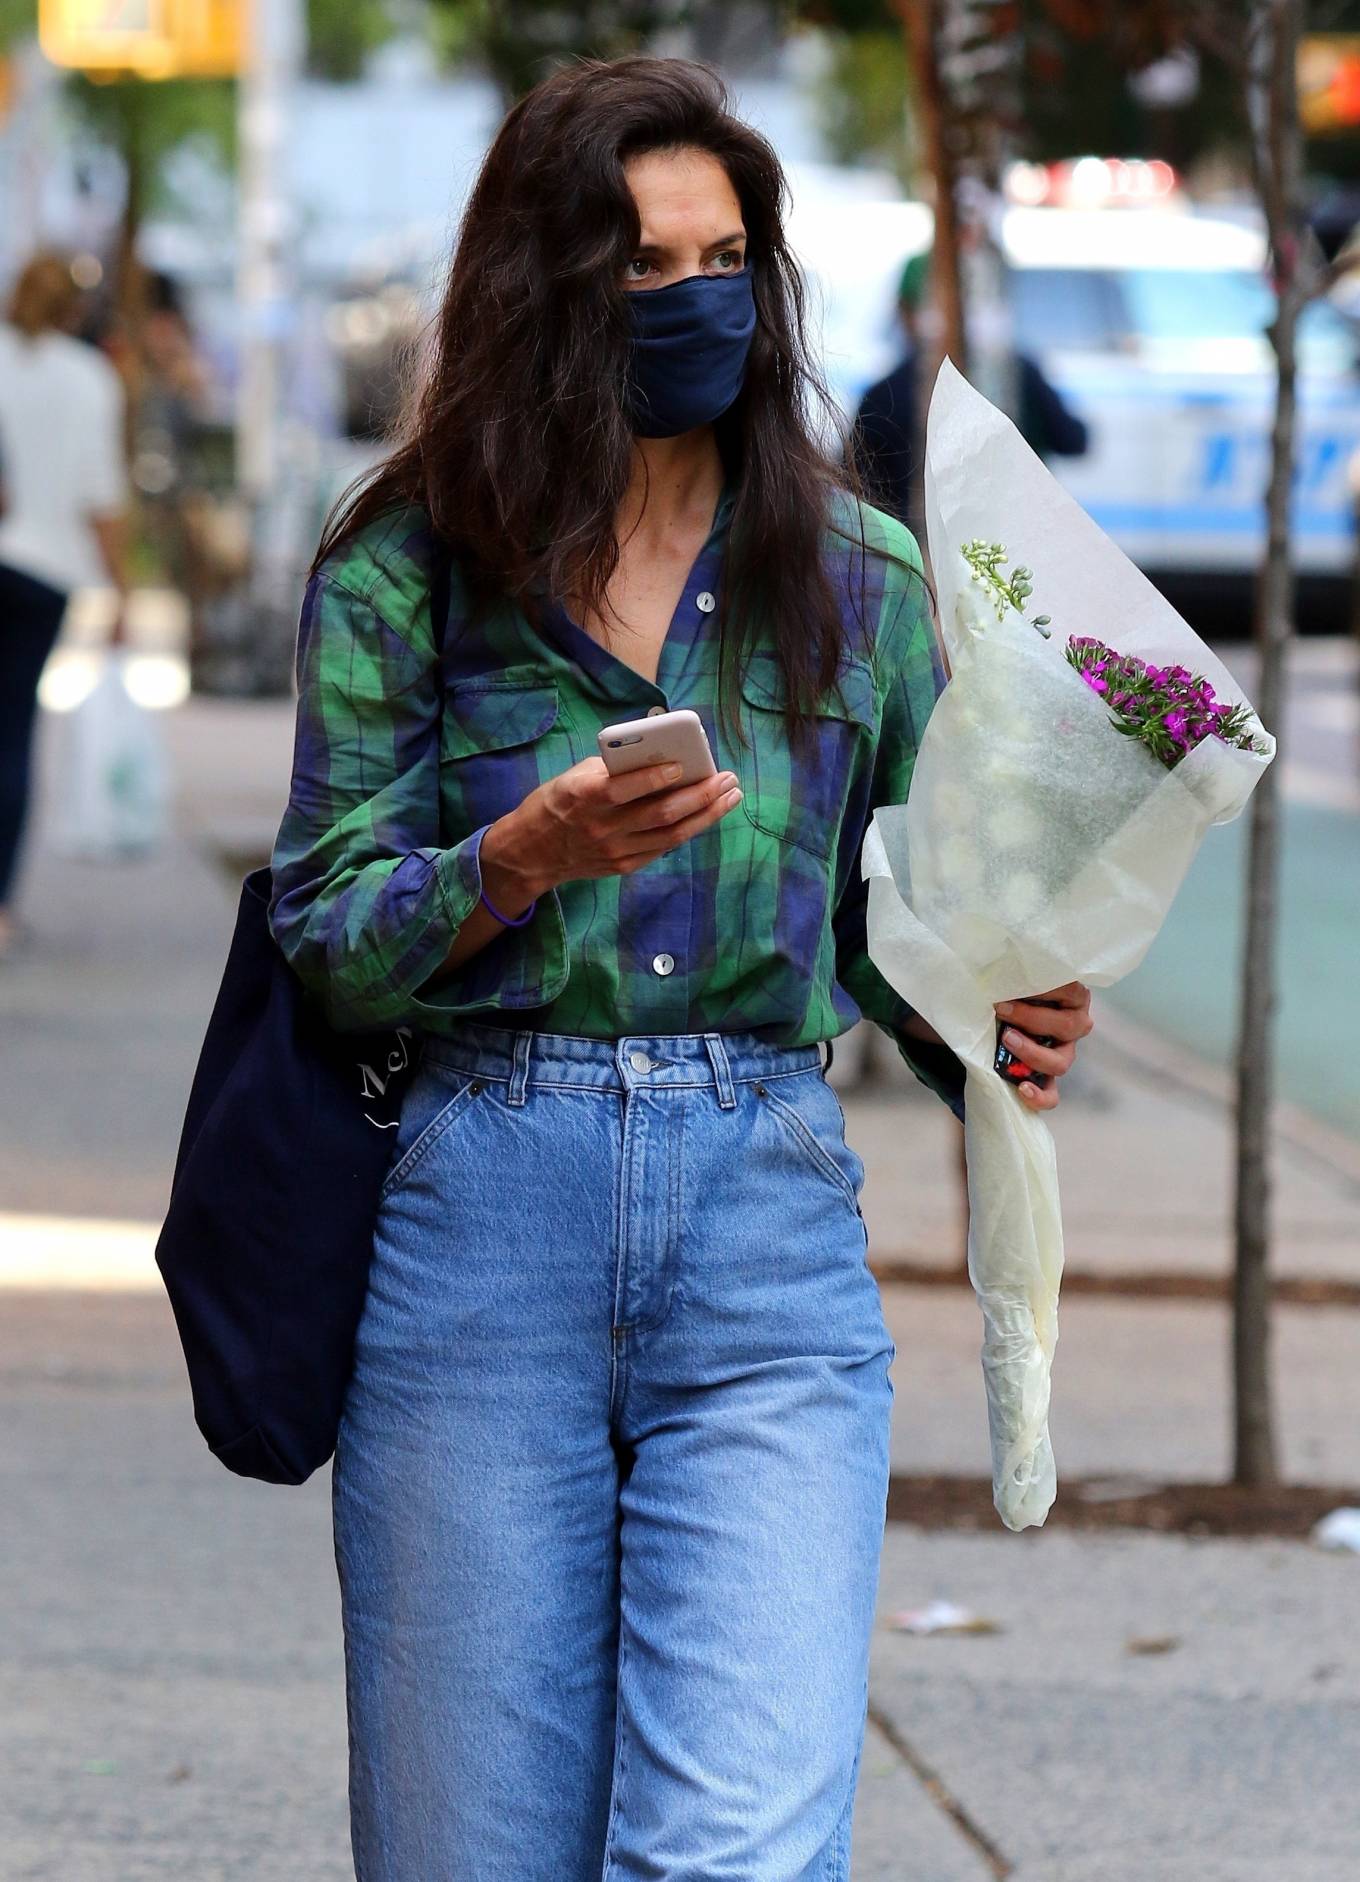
(1068,774)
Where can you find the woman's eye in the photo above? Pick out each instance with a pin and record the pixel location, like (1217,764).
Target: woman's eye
(639,262)
(733,257)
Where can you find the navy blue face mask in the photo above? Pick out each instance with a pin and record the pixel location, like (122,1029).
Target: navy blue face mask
(688,357)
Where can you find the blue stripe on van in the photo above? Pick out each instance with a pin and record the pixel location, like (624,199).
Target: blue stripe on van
(1188,519)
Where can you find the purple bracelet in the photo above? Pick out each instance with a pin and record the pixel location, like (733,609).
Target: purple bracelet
(505,920)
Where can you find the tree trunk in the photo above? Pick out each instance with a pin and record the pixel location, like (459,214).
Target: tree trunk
(129,287)
(1275,130)
(921,18)
(1254,1443)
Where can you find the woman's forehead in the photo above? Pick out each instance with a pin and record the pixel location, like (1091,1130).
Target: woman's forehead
(681,191)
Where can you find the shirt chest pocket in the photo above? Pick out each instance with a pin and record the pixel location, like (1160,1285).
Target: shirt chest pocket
(502,735)
(799,796)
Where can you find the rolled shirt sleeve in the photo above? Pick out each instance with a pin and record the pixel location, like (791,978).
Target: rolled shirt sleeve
(908,659)
(367,900)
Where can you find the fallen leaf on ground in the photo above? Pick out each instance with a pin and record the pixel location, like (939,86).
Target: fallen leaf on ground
(1152,1643)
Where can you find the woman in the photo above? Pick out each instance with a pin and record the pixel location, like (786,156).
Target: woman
(63,492)
(610,1487)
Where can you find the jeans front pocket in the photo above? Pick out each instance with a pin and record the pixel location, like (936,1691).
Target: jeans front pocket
(434,1101)
(810,1113)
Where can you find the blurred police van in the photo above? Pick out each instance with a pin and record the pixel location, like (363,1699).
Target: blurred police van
(1152,326)
(1151,323)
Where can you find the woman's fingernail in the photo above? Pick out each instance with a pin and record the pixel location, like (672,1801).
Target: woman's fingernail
(1030,1091)
(1005,1006)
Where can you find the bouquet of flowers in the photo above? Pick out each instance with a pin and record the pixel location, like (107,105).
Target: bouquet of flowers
(1065,779)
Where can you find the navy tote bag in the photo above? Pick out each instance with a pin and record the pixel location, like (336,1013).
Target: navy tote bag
(266,1244)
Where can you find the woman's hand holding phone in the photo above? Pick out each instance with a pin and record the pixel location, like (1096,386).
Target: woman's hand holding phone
(585,823)
(1037,1040)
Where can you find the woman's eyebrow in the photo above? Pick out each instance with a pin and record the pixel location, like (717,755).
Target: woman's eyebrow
(721,241)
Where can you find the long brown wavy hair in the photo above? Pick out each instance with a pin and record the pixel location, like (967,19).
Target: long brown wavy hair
(514,435)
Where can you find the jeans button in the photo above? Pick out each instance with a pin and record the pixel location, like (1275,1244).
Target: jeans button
(639,1061)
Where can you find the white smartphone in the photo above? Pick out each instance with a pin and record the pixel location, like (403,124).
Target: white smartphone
(666,738)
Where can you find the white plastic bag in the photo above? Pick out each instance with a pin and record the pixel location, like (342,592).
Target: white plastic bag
(112,776)
(1037,846)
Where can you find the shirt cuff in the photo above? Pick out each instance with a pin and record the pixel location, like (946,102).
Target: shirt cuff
(519,967)
(938,1067)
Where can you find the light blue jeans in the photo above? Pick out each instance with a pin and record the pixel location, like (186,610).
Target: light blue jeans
(612,1475)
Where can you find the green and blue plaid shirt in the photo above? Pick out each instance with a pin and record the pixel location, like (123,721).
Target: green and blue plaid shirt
(757,924)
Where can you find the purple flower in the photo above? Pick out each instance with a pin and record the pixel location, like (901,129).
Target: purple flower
(1170,709)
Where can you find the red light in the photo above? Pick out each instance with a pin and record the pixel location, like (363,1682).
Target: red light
(1344,92)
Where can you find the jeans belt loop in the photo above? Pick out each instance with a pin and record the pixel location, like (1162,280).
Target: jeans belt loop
(722,1070)
(519,1077)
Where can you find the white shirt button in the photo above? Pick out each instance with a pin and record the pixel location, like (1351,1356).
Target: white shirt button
(652,711)
(705,602)
(639,1061)
(664,964)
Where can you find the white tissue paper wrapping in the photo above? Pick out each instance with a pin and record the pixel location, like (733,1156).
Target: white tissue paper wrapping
(1037,846)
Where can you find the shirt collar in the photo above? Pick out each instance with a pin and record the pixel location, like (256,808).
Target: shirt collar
(612,674)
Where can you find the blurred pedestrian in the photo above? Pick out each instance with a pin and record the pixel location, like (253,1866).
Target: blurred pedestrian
(611,1477)
(173,414)
(888,433)
(63,501)
(886,444)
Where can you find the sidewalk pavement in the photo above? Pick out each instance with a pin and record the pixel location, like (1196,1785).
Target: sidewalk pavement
(1145,1156)
(171,1688)
(171,1700)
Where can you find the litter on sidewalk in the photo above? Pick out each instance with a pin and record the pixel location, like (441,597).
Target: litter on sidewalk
(941,1617)
(1339,1529)
(1152,1643)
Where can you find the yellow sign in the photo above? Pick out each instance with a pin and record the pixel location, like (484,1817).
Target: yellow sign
(208,35)
(154,38)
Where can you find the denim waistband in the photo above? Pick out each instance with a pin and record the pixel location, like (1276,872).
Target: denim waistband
(523,1058)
